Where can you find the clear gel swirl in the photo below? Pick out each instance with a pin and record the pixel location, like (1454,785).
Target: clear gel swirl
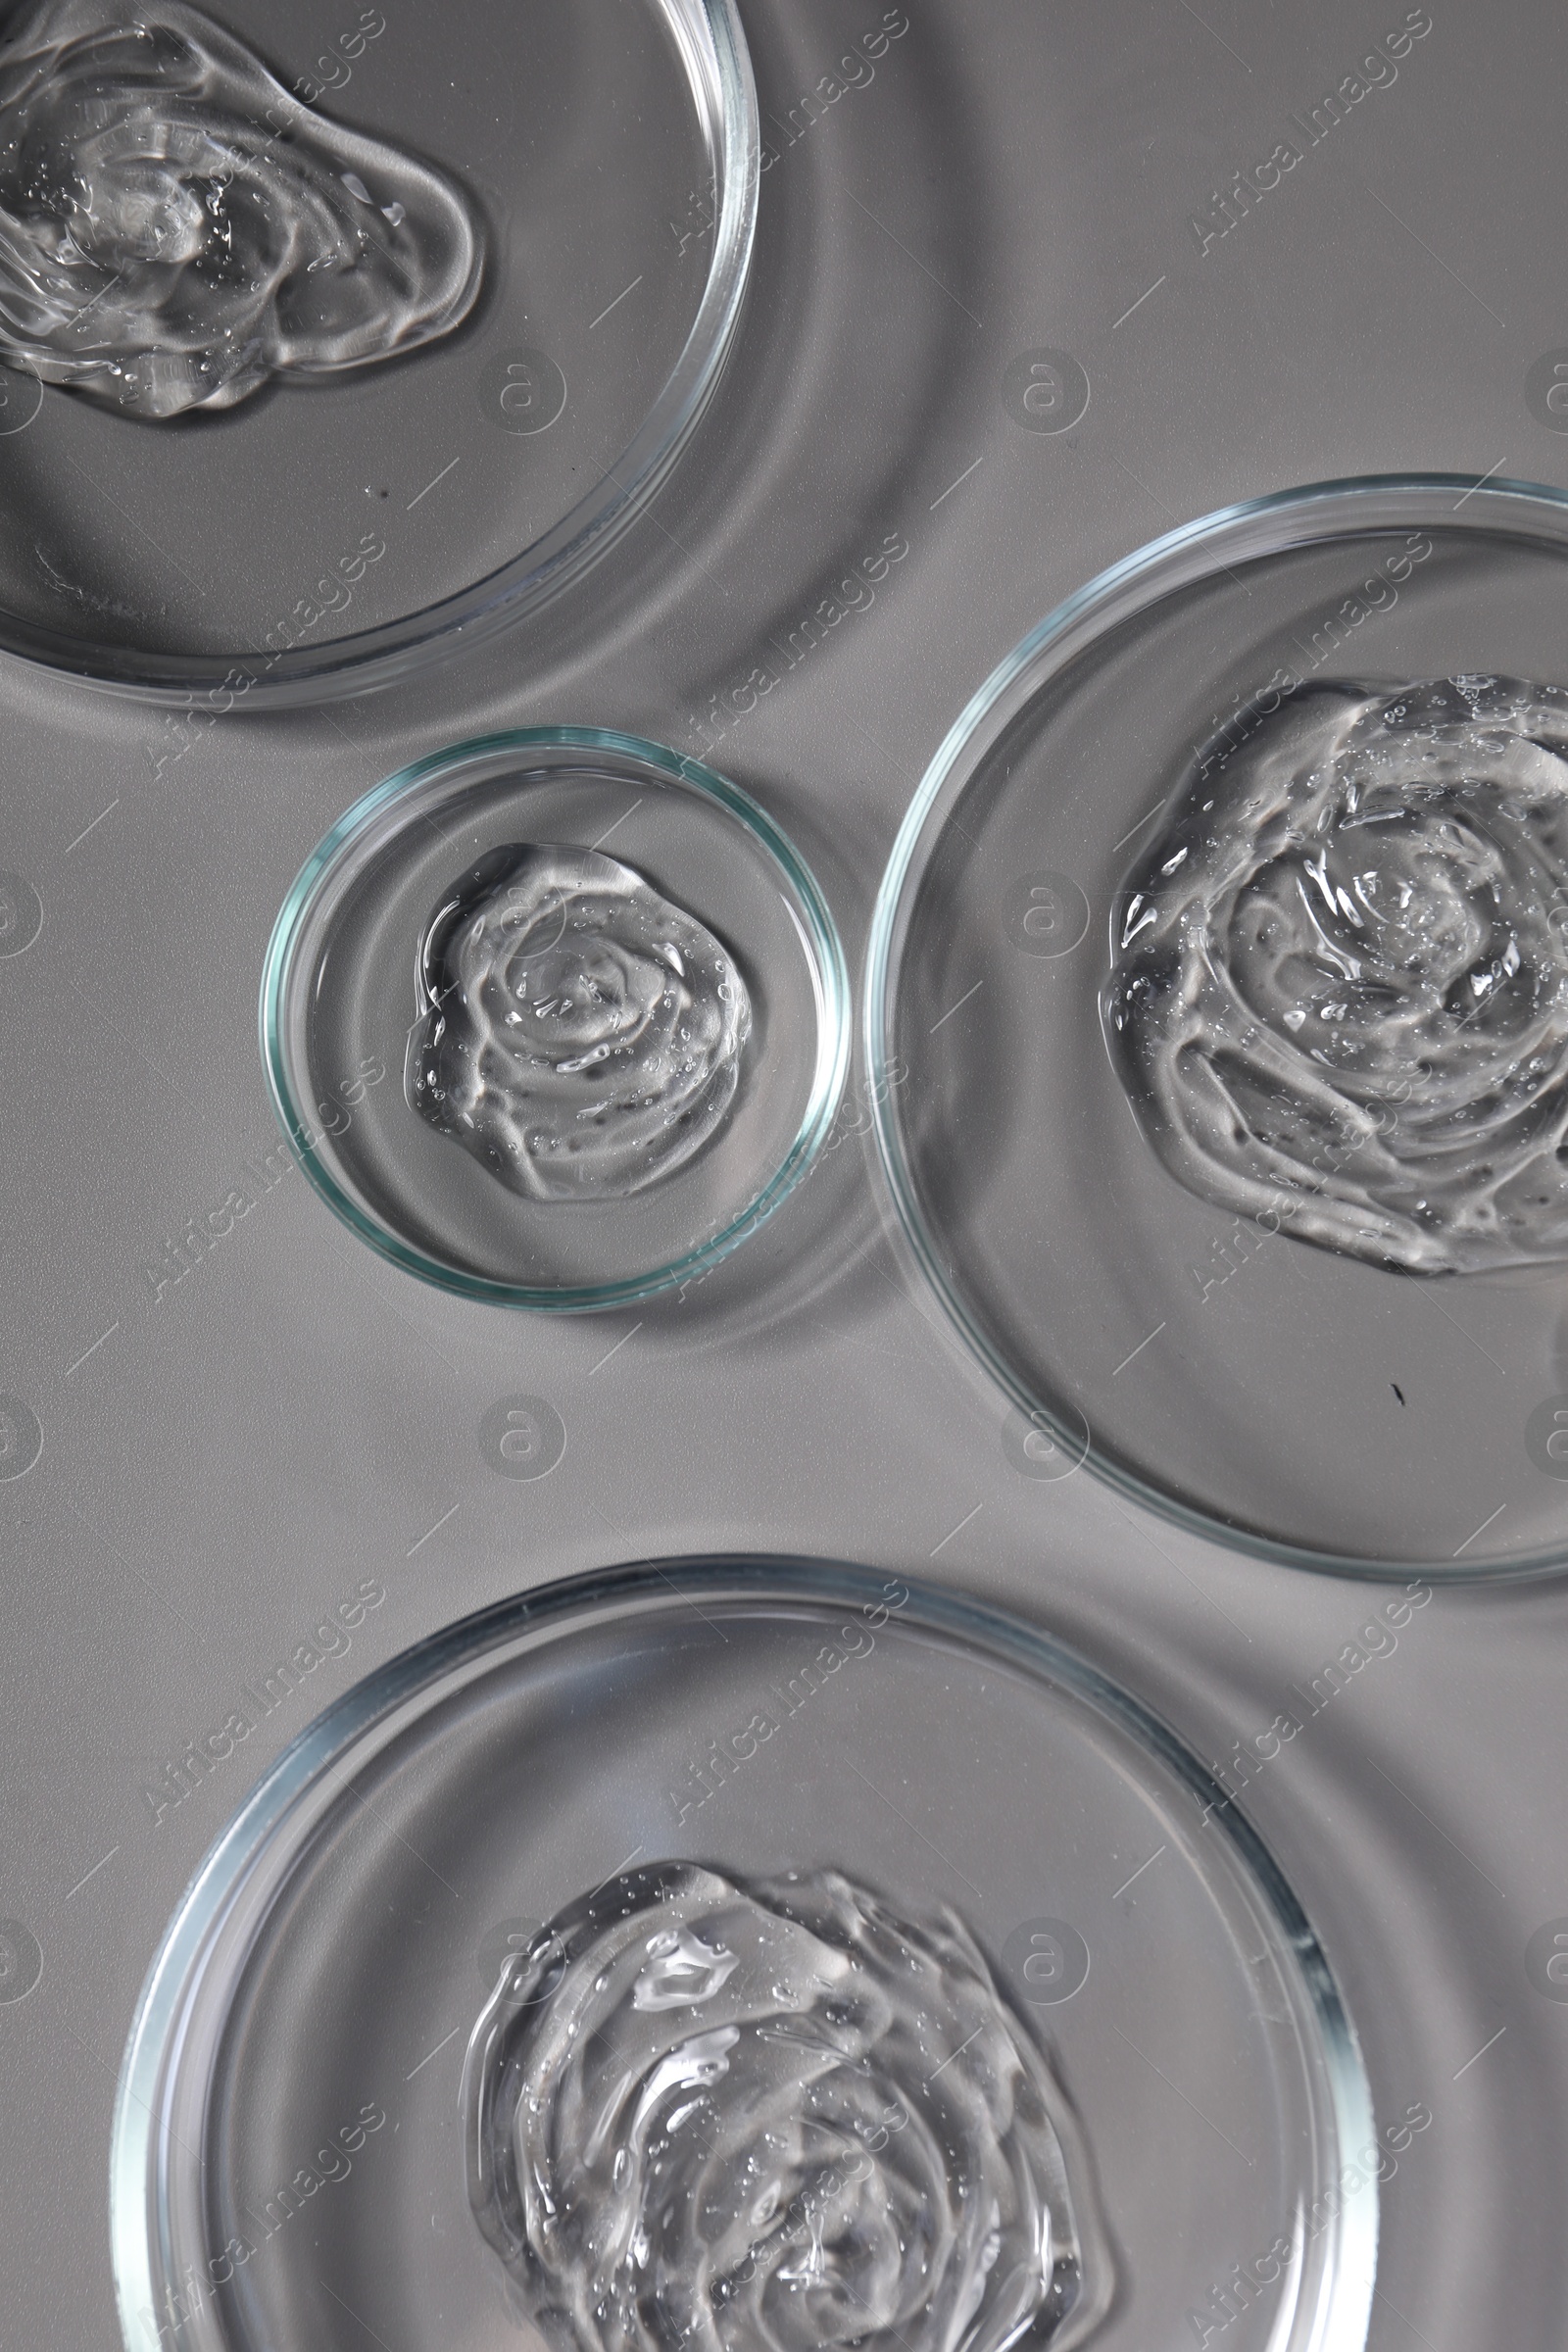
(770,2117)
(1340,994)
(577,1033)
(175,227)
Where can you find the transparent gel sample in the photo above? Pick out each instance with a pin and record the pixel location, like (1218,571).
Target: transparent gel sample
(1340,994)
(175,228)
(736,2116)
(580,1035)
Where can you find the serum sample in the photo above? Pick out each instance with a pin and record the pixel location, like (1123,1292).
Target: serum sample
(768,2117)
(577,1033)
(1340,994)
(175,228)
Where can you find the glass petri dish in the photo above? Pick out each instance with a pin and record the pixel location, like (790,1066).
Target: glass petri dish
(344,1017)
(315,2011)
(553,211)
(1274,1365)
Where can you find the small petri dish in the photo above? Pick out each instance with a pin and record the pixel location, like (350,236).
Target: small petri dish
(456,283)
(555,1018)
(1250,1197)
(823,1936)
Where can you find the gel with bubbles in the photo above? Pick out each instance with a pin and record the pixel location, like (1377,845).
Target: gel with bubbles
(771,2117)
(577,1033)
(175,228)
(1339,989)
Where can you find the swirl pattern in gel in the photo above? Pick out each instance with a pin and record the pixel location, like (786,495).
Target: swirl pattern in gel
(175,228)
(1339,989)
(577,1033)
(772,2117)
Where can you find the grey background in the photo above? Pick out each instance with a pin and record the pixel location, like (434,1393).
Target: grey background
(222,1466)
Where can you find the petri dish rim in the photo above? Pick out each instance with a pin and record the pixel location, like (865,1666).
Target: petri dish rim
(1308,514)
(712,44)
(819,938)
(140,2143)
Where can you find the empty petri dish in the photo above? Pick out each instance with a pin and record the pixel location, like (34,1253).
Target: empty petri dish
(642,1961)
(1225,946)
(555,1018)
(333,333)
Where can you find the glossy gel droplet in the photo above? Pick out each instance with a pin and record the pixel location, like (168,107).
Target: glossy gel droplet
(577,1033)
(663,2150)
(175,228)
(1340,985)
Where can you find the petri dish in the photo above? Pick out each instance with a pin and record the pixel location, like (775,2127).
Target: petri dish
(463,1192)
(324,2003)
(1275,1276)
(492,260)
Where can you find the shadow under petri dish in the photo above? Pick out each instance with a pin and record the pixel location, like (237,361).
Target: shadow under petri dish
(631,1965)
(347,335)
(1253,1174)
(535,1072)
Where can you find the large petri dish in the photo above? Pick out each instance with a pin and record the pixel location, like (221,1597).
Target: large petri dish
(548,214)
(1261,1326)
(349,1021)
(320,2007)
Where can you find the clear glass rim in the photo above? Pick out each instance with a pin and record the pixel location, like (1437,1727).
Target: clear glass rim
(1311,514)
(712,48)
(141,2149)
(819,938)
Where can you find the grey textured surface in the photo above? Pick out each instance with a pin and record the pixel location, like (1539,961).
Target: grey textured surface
(222,1464)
